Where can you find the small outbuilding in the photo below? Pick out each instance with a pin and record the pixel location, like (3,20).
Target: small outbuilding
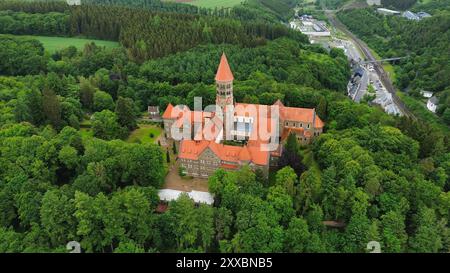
(388,12)
(153,113)
(426,94)
(410,15)
(432,104)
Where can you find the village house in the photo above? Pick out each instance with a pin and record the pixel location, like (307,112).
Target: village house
(153,113)
(426,94)
(73,2)
(204,147)
(432,104)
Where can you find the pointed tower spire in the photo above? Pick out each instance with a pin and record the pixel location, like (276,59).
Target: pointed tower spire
(224,91)
(224,84)
(224,73)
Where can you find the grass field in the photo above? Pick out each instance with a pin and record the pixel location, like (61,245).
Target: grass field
(143,134)
(85,129)
(53,44)
(86,133)
(215,3)
(146,133)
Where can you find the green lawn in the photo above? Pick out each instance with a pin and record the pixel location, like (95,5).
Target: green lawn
(143,133)
(215,3)
(424,1)
(53,44)
(86,133)
(85,128)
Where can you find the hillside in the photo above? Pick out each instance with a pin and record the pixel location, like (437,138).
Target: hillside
(425,43)
(86,158)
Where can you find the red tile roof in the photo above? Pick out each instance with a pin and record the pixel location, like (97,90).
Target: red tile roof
(287,131)
(168,113)
(319,123)
(211,129)
(244,154)
(299,114)
(286,113)
(259,156)
(225,152)
(190,149)
(185,114)
(224,73)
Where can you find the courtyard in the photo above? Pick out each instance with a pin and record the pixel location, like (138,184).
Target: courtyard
(174,181)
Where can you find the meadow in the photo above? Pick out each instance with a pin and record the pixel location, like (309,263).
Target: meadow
(214,3)
(146,133)
(53,44)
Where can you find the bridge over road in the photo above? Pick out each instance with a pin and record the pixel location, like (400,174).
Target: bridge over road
(384,60)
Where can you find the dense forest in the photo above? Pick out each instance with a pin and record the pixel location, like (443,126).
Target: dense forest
(154,5)
(425,43)
(398,4)
(392,4)
(379,177)
(434,6)
(269,10)
(145,33)
(22,23)
(331,4)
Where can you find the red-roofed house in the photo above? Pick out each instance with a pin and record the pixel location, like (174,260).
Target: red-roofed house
(205,151)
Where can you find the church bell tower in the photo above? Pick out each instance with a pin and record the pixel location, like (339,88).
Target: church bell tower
(224,84)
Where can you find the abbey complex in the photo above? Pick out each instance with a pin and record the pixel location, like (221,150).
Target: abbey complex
(241,134)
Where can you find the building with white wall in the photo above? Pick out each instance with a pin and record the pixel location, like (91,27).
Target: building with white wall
(389,12)
(426,94)
(374,2)
(73,2)
(199,197)
(432,104)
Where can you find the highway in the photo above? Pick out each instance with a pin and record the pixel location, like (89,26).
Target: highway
(370,58)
